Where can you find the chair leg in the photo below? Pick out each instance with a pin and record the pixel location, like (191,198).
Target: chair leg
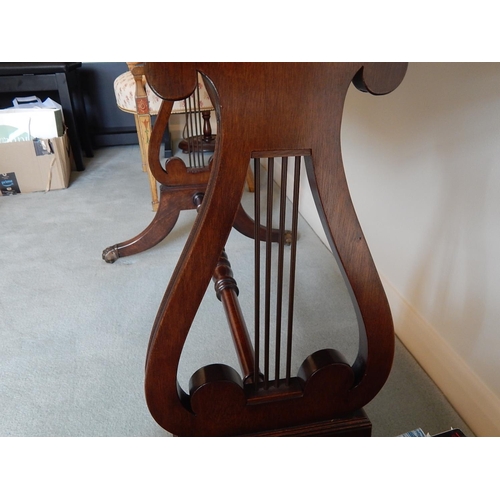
(154,191)
(245,225)
(143,125)
(172,201)
(143,144)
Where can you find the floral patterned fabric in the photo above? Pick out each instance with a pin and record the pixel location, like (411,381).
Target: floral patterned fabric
(124,86)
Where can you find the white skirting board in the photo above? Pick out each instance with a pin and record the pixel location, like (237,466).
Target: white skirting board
(478,406)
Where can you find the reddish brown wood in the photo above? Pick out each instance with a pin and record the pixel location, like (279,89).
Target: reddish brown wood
(306,100)
(246,226)
(172,201)
(227,292)
(355,425)
(178,185)
(205,142)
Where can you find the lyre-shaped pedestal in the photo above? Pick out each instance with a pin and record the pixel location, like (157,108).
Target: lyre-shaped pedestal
(290,111)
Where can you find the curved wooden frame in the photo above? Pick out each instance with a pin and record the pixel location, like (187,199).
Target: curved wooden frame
(326,387)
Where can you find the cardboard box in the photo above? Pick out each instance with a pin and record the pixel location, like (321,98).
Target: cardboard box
(38,165)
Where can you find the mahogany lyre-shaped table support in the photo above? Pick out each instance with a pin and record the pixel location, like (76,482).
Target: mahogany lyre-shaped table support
(265,112)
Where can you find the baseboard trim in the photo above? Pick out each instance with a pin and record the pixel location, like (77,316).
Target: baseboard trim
(477,405)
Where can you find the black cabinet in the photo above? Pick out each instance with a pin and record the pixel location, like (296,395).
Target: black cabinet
(108,125)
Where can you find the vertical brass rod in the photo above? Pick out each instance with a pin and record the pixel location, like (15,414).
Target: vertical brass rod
(256,166)
(194,129)
(199,128)
(267,312)
(293,260)
(279,288)
(190,131)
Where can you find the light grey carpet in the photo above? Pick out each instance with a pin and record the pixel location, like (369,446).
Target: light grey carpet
(74,330)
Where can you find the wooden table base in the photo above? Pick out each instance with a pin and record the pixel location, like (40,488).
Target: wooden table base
(358,425)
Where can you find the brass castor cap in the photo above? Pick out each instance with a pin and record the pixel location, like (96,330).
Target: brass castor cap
(288,237)
(110,254)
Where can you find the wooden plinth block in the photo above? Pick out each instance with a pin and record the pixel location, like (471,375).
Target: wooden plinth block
(357,425)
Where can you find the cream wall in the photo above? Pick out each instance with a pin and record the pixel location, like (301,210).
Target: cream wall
(423,165)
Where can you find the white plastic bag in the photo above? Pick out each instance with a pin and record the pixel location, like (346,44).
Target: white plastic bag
(35,102)
(30,118)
